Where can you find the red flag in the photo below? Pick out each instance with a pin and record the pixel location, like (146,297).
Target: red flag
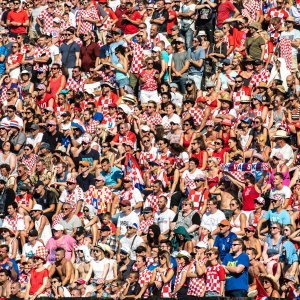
(261,292)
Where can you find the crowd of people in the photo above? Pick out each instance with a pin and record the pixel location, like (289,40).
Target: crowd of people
(149,149)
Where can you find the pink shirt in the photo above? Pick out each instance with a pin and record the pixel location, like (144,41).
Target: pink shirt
(66,242)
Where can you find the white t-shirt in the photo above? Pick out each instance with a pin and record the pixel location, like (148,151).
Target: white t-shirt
(98,267)
(212,220)
(124,220)
(132,243)
(285,192)
(35,140)
(163,219)
(29,250)
(286,151)
(189,178)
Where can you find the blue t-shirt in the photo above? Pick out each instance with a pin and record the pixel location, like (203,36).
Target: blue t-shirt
(113,47)
(111,177)
(282,217)
(236,281)
(224,243)
(165,57)
(196,55)
(3,51)
(14,266)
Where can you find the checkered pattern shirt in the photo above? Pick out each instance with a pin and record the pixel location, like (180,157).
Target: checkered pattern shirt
(155,119)
(104,102)
(138,54)
(144,277)
(98,198)
(263,76)
(47,18)
(29,162)
(38,52)
(89,13)
(180,271)
(74,85)
(16,223)
(24,279)
(197,284)
(214,276)
(72,197)
(91,127)
(145,224)
(166,289)
(197,115)
(152,201)
(250,10)
(147,156)
(198,198)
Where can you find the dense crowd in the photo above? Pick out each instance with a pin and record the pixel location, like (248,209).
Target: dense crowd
(149,149)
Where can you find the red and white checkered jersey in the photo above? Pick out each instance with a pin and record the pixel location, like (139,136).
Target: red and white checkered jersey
(250,10)
(262,76)
(38,52)
(88,13)
(196,284)
(91,127)
(147,156)
(144,277)
(155,119)
(197,115)
(138,54)
(145,224)
(180,270)
(99,198)
(74,85)
(166,289)
(152,201)
(214,276)
(17,223)
(47,18)
(29,162)
(72,197)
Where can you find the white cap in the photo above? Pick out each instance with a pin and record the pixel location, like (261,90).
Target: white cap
(37,207)
(126,249)
(145,128)
(58,227)
(56,20)
(183,253)
(202,245)
(65,126)
(156,49)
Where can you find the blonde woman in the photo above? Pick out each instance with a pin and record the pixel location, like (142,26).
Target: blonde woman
(238,221)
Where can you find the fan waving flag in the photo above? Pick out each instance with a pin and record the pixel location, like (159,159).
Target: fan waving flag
(132,169)
(261,292)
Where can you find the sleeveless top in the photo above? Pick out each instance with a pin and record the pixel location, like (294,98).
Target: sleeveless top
(6,161)
(273,249)
(197,285)
(248,195)
(236,224)
(98,267)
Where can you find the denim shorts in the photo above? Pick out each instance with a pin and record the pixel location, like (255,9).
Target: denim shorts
(122,82)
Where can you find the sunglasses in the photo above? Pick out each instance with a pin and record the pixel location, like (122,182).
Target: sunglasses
(95,251)
(198,180)
(236,244)
(50,125)
(85,210)
(274,227)
(145,141)
(217,143)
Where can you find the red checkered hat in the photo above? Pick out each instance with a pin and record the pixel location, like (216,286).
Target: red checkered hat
(41,252)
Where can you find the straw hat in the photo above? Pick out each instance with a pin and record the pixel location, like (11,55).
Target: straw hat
(281,134)
(272,280)
(225,97)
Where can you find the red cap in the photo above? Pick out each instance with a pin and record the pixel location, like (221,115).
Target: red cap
(226,122)
(201,99)
(251,228)
(297,125)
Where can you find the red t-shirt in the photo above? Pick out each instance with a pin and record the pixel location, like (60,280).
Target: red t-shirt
(224,11)
(20,17)
(170,24)
(249,194)
(130,28)
(36,280)
(44,102)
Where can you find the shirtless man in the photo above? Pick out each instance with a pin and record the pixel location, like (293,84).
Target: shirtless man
(225,193)
(62,267)
(256,267)
(82,268)
(5,283)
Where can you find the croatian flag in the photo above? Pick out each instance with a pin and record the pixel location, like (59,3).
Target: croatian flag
(132,169)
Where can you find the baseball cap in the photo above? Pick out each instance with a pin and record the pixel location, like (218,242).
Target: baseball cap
(183,253)
(34,126)
(41,87)
(180,39)
(225,222)
(251,228)
(125,203)
(33,232)
(58,227)
(84,163)
(147,210)
(202,245)
(260,200)
(131,224)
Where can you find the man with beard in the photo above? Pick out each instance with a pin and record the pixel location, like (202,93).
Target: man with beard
(8,264)
(69,221)
(62,267)
(125,263)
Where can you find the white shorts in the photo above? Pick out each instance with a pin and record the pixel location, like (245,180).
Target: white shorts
(146,96)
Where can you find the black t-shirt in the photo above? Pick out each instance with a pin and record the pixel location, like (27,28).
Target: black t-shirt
(85,182)
(8,196)
(52,140)
(90,156)
(158,14)
(134,289)
(46,200)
